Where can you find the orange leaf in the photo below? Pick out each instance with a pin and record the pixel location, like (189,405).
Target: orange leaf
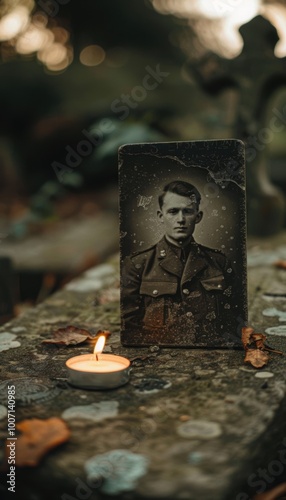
(37,438)
(247,331)
(71,335)
(267,348)
(258,336)
(281,264)
(255,348)
(256,357)
(272,494)
(259,340)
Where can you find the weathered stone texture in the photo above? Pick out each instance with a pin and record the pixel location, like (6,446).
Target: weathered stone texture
(195,423)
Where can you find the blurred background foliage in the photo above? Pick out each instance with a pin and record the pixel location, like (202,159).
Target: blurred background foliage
(72,90)
(65,62)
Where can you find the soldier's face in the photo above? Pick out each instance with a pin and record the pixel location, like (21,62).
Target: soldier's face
(179,214)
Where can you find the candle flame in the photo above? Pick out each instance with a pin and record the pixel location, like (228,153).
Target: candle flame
(98,348)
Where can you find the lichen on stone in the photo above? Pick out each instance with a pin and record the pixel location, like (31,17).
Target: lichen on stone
(199,429)
(7,341)
(119,469)
(95,411)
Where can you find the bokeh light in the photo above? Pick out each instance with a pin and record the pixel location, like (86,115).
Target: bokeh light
(92,55)
(53,55)
(14,23)
(33,40)
(24,30)
(61,35)
(242,10)
(276,14)
(57,58)
(216,23)
(40,19)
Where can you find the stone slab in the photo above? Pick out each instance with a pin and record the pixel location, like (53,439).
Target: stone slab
(67,248)
(191,424)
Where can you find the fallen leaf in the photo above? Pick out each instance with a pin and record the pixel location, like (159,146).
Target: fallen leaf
(141,358)
(70,335)
(256,357)
(259,340)
(268,348)
(281,264)
(247,331)
(37,438)
(274,494)
(255,347)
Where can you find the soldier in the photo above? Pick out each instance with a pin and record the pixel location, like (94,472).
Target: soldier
(178,289)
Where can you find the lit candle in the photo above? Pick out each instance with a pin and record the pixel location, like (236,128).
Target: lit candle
(97,370)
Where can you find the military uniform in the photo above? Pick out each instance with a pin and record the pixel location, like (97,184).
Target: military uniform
(178,292)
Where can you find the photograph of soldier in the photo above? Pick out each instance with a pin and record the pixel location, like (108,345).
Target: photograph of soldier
(178,291)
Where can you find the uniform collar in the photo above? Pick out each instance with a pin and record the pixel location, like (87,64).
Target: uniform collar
(169,259)
(185,250)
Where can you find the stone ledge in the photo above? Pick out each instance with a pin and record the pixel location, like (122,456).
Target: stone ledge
(195,423)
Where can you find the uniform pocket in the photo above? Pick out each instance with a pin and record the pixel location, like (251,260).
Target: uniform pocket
(214,284)
(214,298)
(158,288)
(154,294)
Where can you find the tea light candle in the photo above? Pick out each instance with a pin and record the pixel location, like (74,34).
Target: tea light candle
(98,371)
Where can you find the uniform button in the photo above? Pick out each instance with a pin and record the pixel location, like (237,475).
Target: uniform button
(137,266)
(155,292)
(186,291)
(219,286)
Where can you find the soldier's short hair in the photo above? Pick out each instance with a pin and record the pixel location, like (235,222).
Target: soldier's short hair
(183,189)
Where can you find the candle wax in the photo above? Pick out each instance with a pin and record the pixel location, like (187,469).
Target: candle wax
(106,372)
(100,366)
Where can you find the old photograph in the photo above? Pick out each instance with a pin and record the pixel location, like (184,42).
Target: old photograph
(182,233)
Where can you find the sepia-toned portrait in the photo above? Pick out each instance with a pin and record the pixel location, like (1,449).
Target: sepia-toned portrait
(182,223)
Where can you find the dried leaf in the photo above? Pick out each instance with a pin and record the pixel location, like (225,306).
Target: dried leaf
(141,358)
(274,494)
(268,348)
(247,331)
(281,264)
(255,347)
(71,335)
(259,340)
(37,438)
(256,357)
